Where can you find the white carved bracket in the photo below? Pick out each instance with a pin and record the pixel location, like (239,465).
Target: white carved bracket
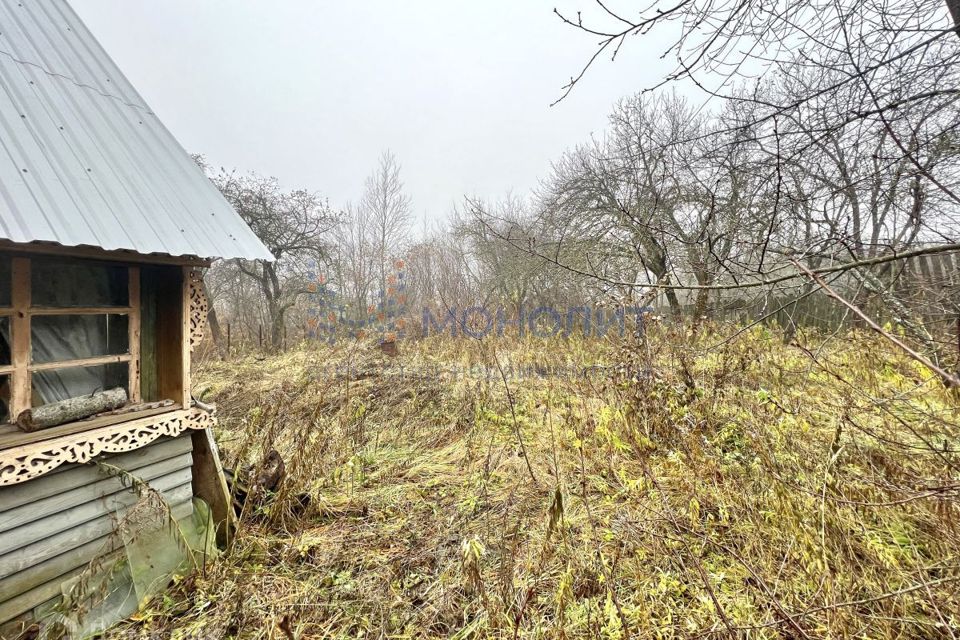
(199,307)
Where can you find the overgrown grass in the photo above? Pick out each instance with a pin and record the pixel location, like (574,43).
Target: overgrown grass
(686,486)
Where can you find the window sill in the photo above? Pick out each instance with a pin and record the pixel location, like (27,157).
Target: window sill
(80,442)
(11,436)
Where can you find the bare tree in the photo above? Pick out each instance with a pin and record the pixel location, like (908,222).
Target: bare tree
(655,200)
(355,260)
(834,141)
(385,209)
(441,273)
(294,225)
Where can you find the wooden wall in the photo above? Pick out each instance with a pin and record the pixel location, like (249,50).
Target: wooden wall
(162,319)
(53,526)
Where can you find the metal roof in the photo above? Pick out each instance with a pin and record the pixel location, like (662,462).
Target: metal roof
(83,159)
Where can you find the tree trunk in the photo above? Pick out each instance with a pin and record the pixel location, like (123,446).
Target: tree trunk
(657,264)
(276,330)
(674,302)
(954,7)
(215,331)
(702,303)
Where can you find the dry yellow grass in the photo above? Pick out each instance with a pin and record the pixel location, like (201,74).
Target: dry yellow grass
(684,487)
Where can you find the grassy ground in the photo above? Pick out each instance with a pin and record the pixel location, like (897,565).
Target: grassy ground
(689,486)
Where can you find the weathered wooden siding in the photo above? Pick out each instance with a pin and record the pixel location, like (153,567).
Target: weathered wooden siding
(53,526)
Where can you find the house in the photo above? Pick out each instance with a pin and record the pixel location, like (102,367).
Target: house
(106,225)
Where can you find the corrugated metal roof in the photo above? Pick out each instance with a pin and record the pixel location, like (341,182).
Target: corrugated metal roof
(83,159)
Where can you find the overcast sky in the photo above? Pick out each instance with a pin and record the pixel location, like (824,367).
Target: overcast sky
(312,91)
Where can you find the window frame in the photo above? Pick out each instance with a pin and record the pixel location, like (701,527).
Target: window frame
(20,313)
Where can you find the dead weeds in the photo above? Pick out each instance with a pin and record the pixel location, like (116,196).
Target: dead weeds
(683,487)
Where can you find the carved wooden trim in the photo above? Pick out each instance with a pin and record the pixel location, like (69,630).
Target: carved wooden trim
(199,306)
(30,461)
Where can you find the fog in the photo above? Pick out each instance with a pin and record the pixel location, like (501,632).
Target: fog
(312,92)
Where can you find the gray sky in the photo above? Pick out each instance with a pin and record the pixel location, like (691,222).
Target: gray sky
(312,91)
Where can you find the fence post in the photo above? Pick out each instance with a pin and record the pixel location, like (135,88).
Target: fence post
(228,340)
(260,335)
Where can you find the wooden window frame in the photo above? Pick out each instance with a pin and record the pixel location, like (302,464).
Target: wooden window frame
(21,312)
(175,330)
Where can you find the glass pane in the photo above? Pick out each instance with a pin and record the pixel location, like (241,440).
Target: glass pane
(77,283)
(6,280)
(5,340)
(56,338)
(72,382)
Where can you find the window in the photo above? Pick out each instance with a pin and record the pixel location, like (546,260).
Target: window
(68,329)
